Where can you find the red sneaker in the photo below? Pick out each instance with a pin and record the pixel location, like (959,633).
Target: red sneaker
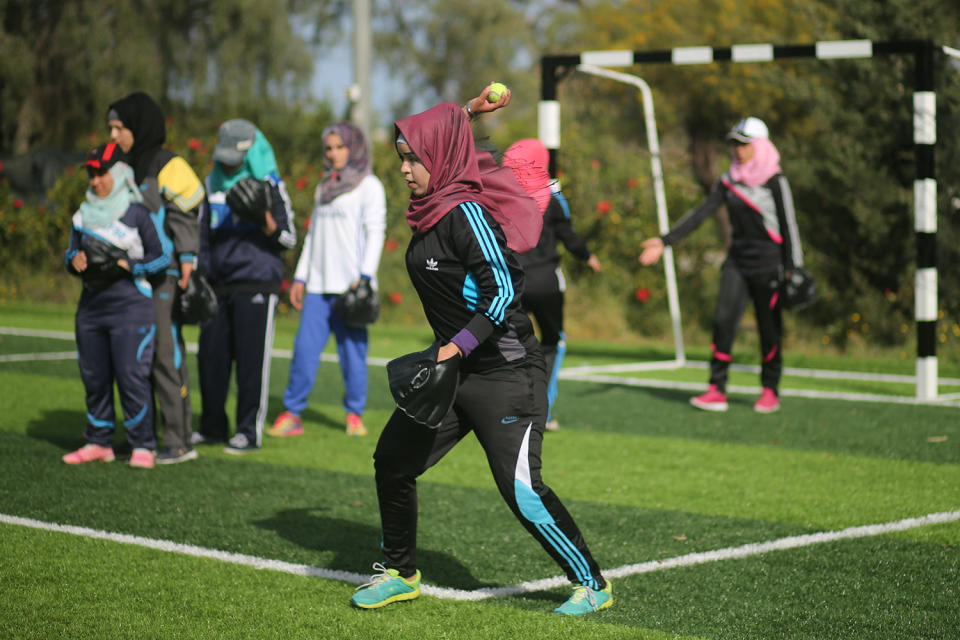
(286,425)
(768,402)
(712,400)
(355,425)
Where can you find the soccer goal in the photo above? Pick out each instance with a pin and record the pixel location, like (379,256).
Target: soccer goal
(554,68)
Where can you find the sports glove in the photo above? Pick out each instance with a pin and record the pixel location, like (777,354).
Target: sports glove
(423,388)
(250,199)
(358,307)
(197,303)
(102,268)
(798,289)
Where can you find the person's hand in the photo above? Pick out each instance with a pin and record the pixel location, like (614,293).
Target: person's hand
(652,250)
(270,225)
(297,290)
(79,262)
(448,351)
(594,263)
(480,105)
(186,268)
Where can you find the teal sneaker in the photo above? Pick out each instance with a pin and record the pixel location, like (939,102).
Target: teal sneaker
(586,600)
(385,587)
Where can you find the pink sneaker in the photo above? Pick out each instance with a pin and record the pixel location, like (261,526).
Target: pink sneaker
(768,402)
(286,425)
(355,425)
(712,400)
(142,459)
(89,453)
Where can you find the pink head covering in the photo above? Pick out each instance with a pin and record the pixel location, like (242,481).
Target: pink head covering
(442,139)
(764,164)
(335,182)
(529,160)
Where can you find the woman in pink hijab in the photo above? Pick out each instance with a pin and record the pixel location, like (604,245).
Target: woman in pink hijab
(469,283)
(765,248)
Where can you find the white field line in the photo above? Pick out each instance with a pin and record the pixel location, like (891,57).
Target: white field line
(751,368)
(741,389)
(689,560)
(591,374)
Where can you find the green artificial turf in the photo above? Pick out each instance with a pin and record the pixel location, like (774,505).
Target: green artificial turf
(648,479)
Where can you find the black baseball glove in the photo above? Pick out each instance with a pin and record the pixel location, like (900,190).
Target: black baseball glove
(197,303)
(358,307)
(250,199)
(423,388)
(102,268)
(799,289)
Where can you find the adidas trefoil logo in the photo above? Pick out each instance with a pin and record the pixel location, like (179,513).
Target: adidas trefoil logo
(432,264)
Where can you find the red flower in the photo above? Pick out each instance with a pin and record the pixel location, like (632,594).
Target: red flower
(390,244)
(285,285)
(632,183)
(642,294)
(194,144)
(595,164)
(18,204)
(396,297)
(302,183)
(1,167)
(603,207)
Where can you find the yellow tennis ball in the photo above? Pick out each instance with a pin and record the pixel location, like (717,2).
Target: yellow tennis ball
(497,91)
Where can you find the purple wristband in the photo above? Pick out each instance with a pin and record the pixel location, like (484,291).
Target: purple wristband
(466,341)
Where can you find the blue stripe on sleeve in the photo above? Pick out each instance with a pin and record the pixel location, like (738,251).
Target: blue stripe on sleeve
(494,257)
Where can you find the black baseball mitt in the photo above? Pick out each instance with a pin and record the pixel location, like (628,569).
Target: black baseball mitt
(197,303)
(250,199)
(423,388)
(102,268)
(358,307)
(799,289)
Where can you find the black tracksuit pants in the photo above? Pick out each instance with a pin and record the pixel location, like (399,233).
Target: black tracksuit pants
(505,408)
(241,332)
(736,288)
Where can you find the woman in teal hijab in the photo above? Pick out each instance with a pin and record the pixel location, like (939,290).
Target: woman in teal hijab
(243,260)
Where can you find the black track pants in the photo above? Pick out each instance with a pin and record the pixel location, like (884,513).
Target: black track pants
(735,290)
(505,408)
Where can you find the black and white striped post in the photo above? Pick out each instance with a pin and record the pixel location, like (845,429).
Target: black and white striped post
(553,68)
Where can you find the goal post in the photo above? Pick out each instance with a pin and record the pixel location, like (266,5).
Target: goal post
(554,67)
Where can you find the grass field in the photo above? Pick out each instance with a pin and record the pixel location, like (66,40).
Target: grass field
(675,504)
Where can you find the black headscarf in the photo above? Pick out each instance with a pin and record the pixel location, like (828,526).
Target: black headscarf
(139,113)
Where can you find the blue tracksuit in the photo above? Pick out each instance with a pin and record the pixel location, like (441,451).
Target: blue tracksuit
(115,328)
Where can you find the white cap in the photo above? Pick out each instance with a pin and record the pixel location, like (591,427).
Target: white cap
(748,130)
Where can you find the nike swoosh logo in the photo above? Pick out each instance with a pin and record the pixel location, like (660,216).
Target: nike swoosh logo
(509,420)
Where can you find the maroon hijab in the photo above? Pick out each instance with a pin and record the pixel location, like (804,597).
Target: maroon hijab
(442,139)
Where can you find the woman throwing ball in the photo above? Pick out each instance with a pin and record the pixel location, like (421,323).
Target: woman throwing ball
(469,283)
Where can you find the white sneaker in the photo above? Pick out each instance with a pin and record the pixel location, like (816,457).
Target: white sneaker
(239,444)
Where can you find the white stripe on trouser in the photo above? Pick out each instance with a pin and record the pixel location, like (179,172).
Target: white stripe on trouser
(265,370)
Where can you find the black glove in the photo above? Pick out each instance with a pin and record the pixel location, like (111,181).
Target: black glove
(102,268)
(197,303)
(423,388)
(798,289)
(250,199)
(358,307)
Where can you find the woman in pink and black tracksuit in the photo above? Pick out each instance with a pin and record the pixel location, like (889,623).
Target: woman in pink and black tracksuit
(765,247)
